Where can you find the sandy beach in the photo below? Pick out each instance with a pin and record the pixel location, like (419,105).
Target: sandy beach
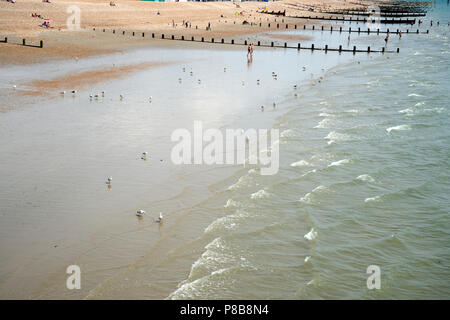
(59,42)
(77,116)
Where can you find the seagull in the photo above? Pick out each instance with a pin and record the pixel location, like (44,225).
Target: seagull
(109,180)
(140,213)
(103,93)
(96,96)
(144,155)
(14,86)
(90,97)
(262,108)
(150,99)
(159,220)
(121,97)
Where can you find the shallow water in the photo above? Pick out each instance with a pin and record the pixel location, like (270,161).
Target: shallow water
(363,177)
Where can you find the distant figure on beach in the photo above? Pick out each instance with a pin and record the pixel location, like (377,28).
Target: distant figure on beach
(348,40)
(399,34)
(387,38)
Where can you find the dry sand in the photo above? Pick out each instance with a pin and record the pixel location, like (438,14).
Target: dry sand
(131,15)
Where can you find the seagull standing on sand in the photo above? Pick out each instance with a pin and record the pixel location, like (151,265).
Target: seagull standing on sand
(109,180)
(144,155)
(159,220)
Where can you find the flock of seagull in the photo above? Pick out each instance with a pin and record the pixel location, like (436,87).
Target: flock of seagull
(143,156)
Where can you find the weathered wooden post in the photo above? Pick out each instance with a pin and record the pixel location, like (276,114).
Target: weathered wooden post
(340,47)
(153,35)
(41,43)
(312,47)
(212,40)
(398,50)
(259,43)
(368,49)
(232,41)
(203,39)
(182,37)
(285,44)
(23,42)
(271,44)
(223,41)
(143,34)
(173,37)
(245,42)
(326,48)
(354,49)
(123,33)
(162,36)
(114,31)
(298,46)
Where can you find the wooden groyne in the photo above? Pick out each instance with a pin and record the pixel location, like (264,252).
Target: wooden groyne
(382,14)
(350,19)
(272,44)
(24,42)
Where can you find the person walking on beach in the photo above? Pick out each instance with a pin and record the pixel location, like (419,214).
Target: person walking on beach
(249,50)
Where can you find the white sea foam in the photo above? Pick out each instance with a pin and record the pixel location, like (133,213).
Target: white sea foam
(242,182)
(301,163)
(260,194)
(323,124)
(287,133)
(324,114)
(231,203)
(319,188)
(402,127)
(407,111)
(339,163)
(311,235)
(414,95)
(307,258)
(365,177)
(334,136)
(372,199)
